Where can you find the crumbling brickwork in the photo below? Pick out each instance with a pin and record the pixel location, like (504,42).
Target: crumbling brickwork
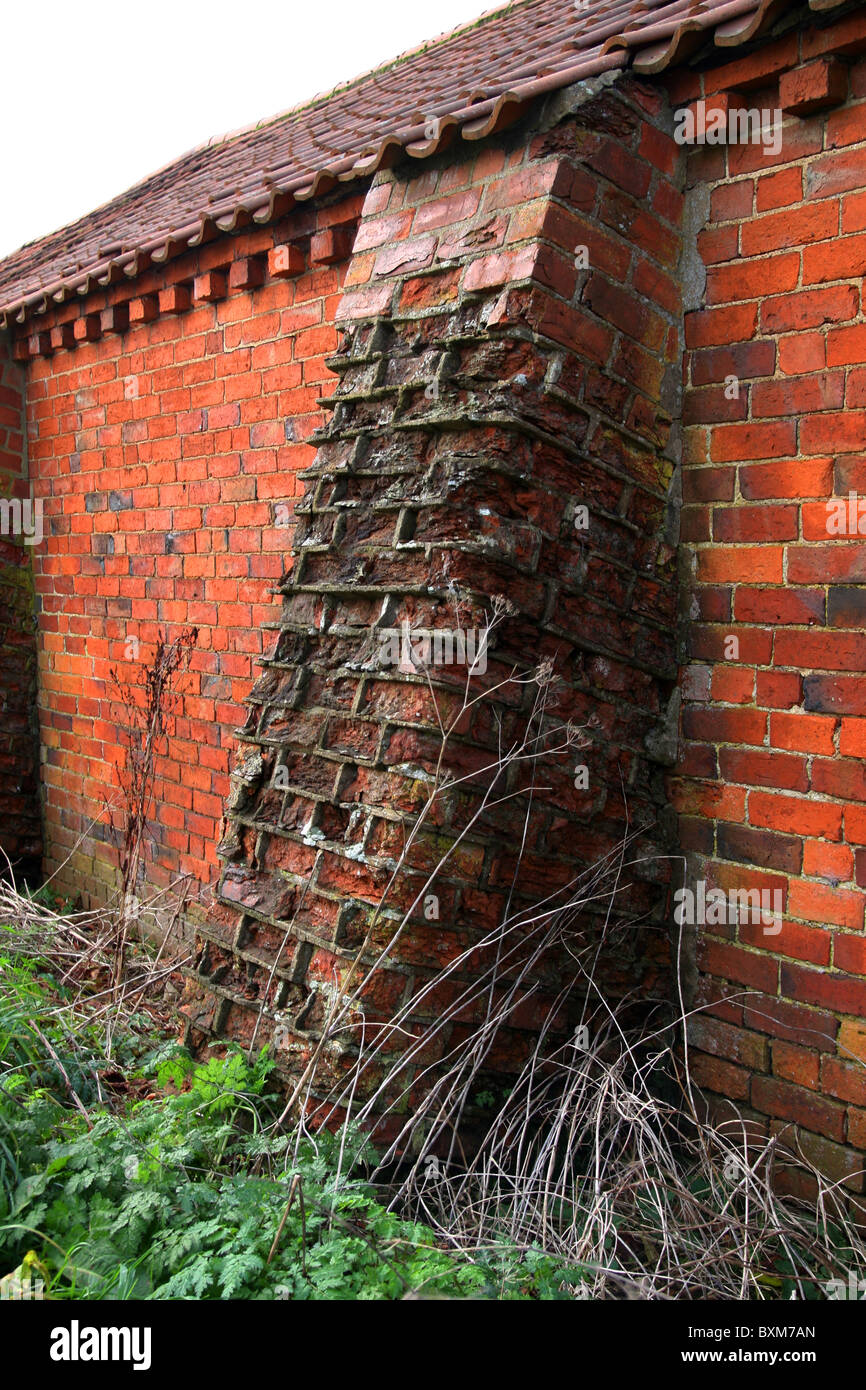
(509,360)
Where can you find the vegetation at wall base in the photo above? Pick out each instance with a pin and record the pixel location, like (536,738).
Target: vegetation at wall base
(147,1175)
(130,1170)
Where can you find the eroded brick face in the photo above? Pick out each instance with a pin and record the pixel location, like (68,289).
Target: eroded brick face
(772,785)
(493,381)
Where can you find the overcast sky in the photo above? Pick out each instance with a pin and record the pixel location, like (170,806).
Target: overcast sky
(97,95)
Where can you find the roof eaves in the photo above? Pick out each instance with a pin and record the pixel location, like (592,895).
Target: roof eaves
(647,48)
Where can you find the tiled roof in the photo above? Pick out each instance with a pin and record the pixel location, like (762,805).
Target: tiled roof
(473,80)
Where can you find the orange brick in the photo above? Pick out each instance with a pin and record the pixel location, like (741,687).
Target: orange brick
(733,686)
(795,815)
(209,287)
(285,262)
(796,1064)
(732,564)
(779,190)
(816,903)
(174,300)
(852,738)
(813,87)
(144,309)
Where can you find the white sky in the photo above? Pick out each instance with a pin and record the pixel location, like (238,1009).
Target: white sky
(97,95)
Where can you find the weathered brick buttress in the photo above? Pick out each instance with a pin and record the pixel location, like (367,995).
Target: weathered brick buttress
(509,361)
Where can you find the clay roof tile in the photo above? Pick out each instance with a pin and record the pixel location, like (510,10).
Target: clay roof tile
(478,78)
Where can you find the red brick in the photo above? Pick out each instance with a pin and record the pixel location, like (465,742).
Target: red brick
(809,308)
(717,1075)
(713,405)
(778,689)
(246,273)
(779,190)
(744,844)
(844,1080)
(849,953)
(832,651)
(624,310)
(174,300)
(832,862)
(730,962)
(757,441)
(852,739)
(615,163)
(733,686)
(61,336)
(800,139)
(114,320)
(798,227)
(796,1064)
(846,36)
(794,1022)
(758,523)
(843,433)
(366,303)
(843,260)
(813,87)
(144,309)
(713,801)
(729,324)
(743,73)
(754,645)
(806,733)
(331,246)
(813,902)
(741,565)
(725,725)
(854,211)
(827,564)
(844,778)
(804,353)
(792,478)
(744,360)
(846,345)
(285,262)
(775,1097)
(501,268)
(827,989)
(732,201)
(857,1128)
(85,329)
(779,606)
(709,484)
(720,1039)
(835,694)
(717,244)
(756,279)
(795,815)
(780,770)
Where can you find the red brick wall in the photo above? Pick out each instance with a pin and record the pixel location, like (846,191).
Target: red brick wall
(163,452)
(772,785)
(163,449)
(19,803)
